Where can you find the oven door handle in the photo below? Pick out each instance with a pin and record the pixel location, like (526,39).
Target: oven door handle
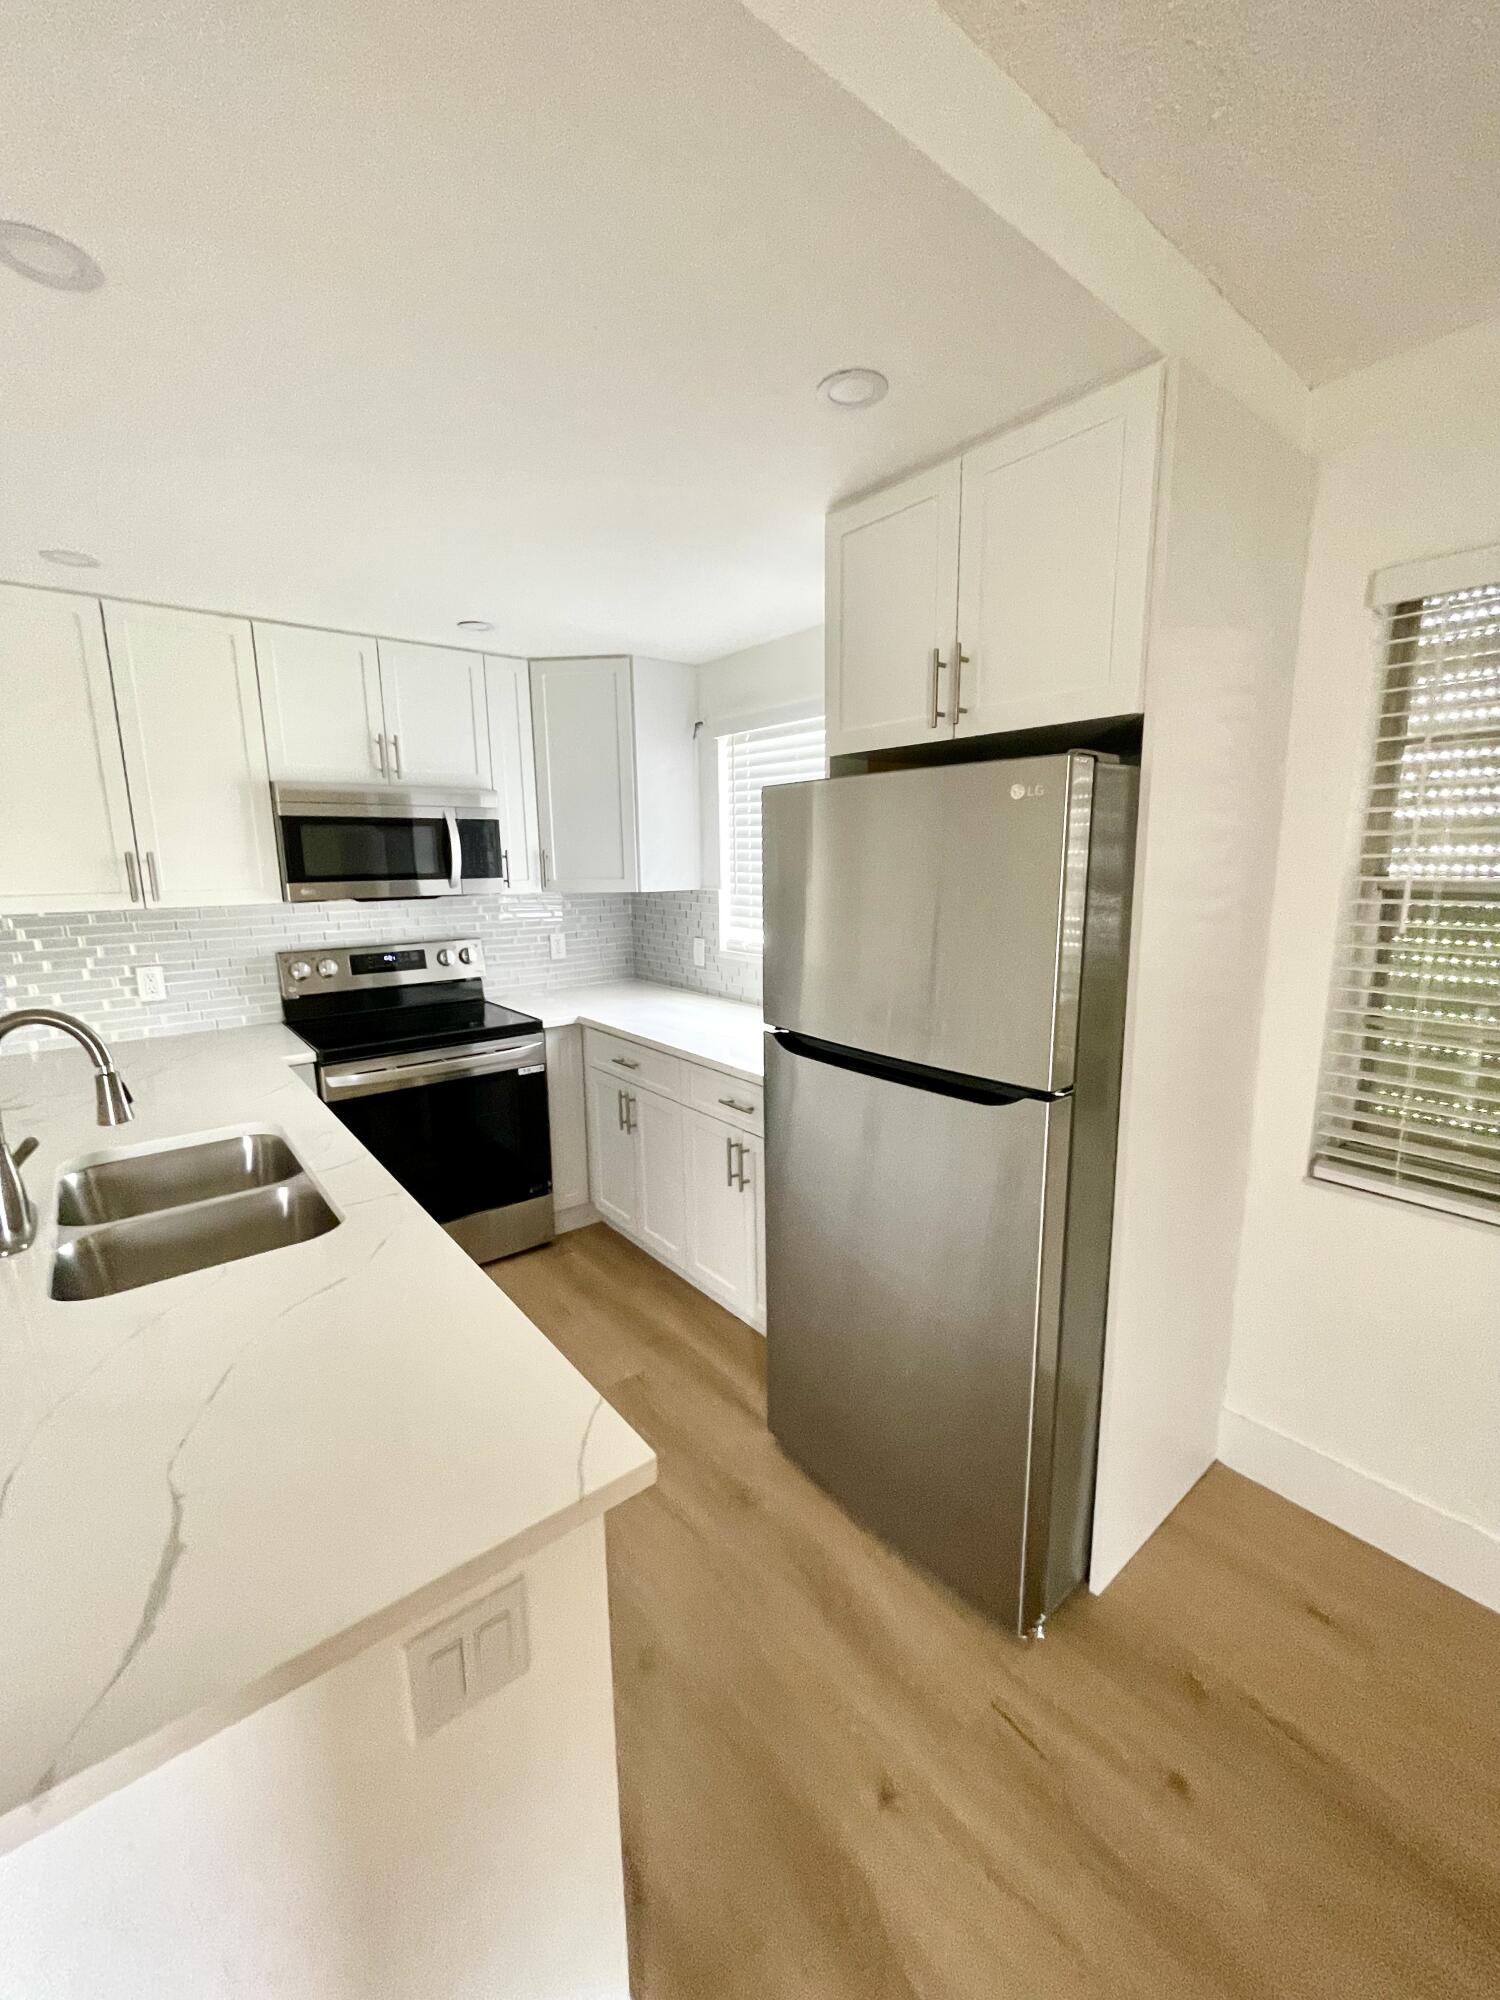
(340,1081)
(455,851)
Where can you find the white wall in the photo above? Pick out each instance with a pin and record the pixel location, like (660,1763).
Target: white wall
(314,1852)
(1365,1371)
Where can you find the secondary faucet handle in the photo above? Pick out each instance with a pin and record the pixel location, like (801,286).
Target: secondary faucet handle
(17,1215)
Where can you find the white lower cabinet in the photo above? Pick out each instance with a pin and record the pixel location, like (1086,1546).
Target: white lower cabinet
(614,1177)
(723,1212)
(682,1182)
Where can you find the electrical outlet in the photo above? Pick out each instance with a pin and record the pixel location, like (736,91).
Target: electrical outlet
(150,982)
(468,1656)
(700,952)
(558,940)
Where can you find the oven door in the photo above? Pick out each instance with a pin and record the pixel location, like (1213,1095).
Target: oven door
(366,846)
(464,1131)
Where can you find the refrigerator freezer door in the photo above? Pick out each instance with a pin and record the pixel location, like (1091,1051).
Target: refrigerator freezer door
(913,1256)
(934,916)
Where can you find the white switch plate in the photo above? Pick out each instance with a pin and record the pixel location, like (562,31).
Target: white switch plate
(700,954)
(150,982)
(558,940)
(453,1665)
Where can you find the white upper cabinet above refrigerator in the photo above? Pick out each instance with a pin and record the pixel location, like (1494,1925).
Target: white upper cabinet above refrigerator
(320,693)
(1055,563)
(437,731)
(66,841)
(1005,589)
(892,598)
(195,752)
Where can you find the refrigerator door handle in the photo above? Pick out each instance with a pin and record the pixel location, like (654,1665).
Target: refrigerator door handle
(915,1076)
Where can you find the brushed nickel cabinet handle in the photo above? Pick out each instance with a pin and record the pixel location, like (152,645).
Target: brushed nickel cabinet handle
(739,1147)
(729,1163)
(629,1112)
(380,754)
(935,714)
(733,1104)
(625,1062)
(960,661)
(132,879)
(396,751)
(153,877)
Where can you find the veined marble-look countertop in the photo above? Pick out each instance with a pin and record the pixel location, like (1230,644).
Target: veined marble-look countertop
(724,1033)
(216,1487)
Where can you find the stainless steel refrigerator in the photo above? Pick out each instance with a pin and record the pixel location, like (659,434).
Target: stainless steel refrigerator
(945,998)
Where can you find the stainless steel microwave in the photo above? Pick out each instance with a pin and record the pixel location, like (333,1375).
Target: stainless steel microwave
(371,844)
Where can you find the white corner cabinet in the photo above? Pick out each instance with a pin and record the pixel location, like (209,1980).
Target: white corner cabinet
(1004,589)
(676,1153)
(134,768)
(616,774)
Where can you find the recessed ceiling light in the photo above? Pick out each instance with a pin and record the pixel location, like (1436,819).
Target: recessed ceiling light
(853,388)
(48,259)
(70,558)
(475,625)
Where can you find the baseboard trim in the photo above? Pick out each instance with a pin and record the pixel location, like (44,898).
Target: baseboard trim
(575,1218)
(1453,1551)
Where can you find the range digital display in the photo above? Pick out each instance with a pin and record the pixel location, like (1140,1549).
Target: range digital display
(387,961)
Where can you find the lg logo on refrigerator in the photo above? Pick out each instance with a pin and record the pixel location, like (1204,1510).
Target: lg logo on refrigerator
(1027,791)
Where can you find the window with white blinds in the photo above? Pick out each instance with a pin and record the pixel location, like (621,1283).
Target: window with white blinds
(783,753)
(1409,1102)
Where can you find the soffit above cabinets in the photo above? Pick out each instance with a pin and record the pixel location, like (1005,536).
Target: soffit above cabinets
(413,315)
(1334,170)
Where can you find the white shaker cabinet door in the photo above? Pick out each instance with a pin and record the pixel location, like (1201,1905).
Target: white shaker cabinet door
(437,726)
(320,694)
(657,1124)
(1055,563)
(721,1254)
(582,722)
(195,753)
(513,768)
(66,841)
(614,1181)
(891,588)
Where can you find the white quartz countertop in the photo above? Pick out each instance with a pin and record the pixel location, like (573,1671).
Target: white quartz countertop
(725,1033)
(216,1487)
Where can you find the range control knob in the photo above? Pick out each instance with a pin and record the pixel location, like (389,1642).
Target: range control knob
(445,957)
(300,970)
(466,953)
(327,967)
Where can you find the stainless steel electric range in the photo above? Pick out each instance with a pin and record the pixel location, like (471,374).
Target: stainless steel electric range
(448,1090)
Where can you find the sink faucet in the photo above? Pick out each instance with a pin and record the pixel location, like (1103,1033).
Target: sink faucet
(17,1214)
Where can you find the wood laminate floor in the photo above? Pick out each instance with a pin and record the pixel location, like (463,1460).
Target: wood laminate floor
(1266,1763)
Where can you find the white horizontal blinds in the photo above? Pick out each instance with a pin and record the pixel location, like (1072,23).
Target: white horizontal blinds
(785,753)
(1410,1096)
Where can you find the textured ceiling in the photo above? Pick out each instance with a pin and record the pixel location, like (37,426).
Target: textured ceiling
(1334,168)
(416,313)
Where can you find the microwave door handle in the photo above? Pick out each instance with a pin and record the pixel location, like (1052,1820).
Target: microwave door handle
(455,851)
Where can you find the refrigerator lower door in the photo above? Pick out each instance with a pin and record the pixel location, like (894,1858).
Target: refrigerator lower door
(914,1275)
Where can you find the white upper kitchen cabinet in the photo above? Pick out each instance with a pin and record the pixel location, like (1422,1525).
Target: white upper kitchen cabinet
(616,774)
(1054,566)
(195,754)
(436,722)
(513,768)
(1006,589)
(891,604)
(66,841)
(320,694)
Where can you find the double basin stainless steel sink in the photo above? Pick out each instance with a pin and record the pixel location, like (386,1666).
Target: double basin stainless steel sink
(136,1220)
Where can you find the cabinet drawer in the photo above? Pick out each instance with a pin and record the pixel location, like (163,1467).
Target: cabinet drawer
(632,1061)
(726,1097)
